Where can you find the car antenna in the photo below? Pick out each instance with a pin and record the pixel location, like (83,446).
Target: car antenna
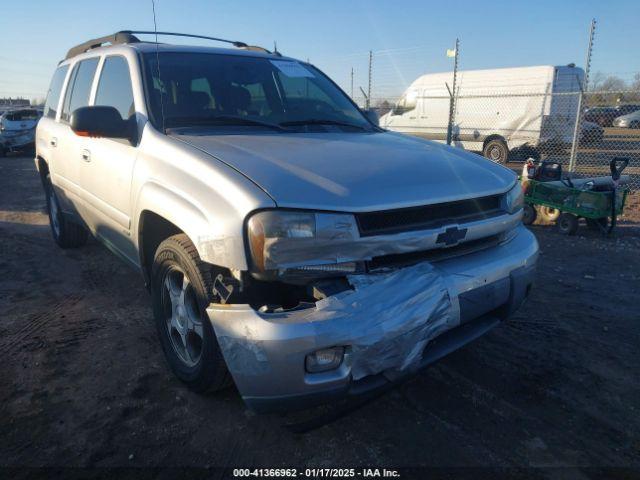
(155,30)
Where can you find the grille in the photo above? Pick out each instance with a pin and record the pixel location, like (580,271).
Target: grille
(399,260)
(428,216)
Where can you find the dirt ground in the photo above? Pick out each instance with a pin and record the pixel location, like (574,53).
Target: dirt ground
(554,393)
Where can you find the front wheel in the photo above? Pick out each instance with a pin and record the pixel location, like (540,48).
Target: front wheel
(181,286)
(66,233)
(496,151)
(567,223)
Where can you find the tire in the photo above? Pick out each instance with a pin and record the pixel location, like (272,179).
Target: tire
(597,224)
(179,308)
(66,233)
(496,150)
(567,224)
(529,214)
(549,214)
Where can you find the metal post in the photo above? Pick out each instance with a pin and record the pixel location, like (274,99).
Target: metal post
(368,104)
(577,130)
(351,83)
(366,98)
(452,95)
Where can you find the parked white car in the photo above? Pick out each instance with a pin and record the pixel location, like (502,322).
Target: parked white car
(17,129)
(630,120)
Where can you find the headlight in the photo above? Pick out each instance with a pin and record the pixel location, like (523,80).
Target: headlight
(514,199)
(280,239)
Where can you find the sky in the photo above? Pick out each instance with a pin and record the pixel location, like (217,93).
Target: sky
(408,37)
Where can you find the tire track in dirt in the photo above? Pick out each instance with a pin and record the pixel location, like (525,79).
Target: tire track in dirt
(37,322)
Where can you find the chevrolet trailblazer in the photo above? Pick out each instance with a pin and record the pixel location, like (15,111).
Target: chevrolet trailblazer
(289,244)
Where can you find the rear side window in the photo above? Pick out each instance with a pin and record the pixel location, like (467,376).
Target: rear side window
(114,88)
(53,94)
(22,115)
(79,87)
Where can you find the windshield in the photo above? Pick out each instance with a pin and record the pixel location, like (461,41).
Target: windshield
(252,92)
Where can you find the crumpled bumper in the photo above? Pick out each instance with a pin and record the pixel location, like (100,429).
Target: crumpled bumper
(391,325)
(17,139)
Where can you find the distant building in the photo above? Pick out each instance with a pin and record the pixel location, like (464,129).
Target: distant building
(14,102)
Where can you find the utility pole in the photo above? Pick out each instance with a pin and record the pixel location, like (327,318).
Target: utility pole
(452,93)
(368,104)
(351,83)
(577,130)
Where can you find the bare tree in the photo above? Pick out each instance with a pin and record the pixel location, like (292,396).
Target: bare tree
(596,81)
(613,84)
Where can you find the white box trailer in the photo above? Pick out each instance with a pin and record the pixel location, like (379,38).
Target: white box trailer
(497,112)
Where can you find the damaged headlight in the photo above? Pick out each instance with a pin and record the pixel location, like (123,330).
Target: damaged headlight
(513,200)
(280,239)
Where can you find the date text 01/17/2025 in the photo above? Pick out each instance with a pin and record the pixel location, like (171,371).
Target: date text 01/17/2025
(316,472)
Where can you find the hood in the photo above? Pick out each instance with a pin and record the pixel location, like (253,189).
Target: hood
(354,171)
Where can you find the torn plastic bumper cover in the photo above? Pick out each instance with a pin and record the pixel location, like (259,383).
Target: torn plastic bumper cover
(384,324)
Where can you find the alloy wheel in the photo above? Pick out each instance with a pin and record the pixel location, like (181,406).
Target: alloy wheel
(182,317)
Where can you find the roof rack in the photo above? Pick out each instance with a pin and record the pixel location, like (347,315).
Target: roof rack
(117,38)
(127,36)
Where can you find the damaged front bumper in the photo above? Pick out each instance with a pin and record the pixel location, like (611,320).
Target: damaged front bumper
(16,139)
(390,325)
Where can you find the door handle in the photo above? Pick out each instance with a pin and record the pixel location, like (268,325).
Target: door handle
(86,156)
(54,142)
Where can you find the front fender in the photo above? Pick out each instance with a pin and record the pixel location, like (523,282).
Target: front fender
(217,242)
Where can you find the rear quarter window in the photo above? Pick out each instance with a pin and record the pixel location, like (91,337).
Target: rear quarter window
(53,94)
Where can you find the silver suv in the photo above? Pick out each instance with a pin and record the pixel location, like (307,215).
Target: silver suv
(289,244)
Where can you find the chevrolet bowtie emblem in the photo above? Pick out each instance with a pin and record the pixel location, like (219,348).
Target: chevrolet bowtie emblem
(452,236)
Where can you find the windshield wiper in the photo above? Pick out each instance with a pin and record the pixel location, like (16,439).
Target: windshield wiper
(219,120)
(321,121)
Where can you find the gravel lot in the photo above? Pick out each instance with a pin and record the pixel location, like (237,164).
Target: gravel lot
(84,383)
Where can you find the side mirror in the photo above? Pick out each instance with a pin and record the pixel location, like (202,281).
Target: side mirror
(100,121)
(373,117)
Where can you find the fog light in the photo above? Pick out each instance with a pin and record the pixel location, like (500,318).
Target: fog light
(325,359)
